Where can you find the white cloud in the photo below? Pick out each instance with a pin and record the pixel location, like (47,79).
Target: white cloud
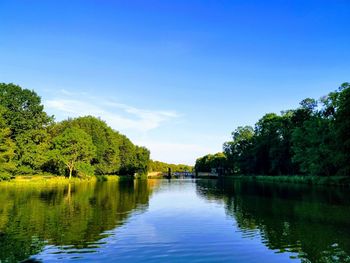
(137,123)
(119,116)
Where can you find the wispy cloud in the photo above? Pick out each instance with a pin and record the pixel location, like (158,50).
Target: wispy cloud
(146,127)
(119,116)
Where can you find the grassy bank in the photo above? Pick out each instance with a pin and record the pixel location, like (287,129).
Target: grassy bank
(311,180)
(52,179)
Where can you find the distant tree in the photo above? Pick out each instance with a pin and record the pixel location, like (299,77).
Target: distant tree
(209,162)
(73,148)
(157,166)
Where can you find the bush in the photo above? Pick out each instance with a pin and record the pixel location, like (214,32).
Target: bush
(85,170)
(5,176)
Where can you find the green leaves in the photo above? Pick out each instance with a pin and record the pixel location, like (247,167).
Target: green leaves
(313,139)
(73,147)
(30,142)
(23,109)
(7,149)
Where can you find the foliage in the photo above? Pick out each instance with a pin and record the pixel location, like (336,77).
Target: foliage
(239,150)
(313,139)
(31,143)
(156,166)
(32,149)
(72,148)
(142,155)
(209,162)
(7,149)
(342,124)
(24,110)
(106,141)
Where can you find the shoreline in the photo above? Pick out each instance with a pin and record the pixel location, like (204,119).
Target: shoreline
(342,181)
(27,179)
(338,181)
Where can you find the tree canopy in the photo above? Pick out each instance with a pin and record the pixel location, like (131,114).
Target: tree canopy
(24,110)
(313,139)
(32,143)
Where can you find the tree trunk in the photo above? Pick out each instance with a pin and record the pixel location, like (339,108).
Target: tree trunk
(70,173)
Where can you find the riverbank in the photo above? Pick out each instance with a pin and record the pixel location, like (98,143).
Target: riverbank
(298,179)
(52,179)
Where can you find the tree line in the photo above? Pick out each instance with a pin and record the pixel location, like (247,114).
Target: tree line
(31,142)
(157,166)
(313,139)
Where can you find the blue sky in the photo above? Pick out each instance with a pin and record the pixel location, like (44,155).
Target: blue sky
(176,76)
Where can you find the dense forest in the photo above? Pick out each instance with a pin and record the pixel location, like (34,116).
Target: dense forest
(313,139)
(31,142)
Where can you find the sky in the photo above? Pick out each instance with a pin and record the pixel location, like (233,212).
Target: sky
(176,76)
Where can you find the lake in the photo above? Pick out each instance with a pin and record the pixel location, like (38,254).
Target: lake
(174,221)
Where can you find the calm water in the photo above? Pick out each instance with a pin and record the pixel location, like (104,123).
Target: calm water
(174,221)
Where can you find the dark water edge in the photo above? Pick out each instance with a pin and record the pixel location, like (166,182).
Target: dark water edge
(202,220)
(310,221)
(338,181)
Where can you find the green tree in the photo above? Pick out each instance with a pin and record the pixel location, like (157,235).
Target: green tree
(157,166)
(73,148)
(313,147)
(343,129)
(211,162)
(239,151)
(127,156)
(142,160)
(105,139)
(24,110)
(7,149)
(32,150)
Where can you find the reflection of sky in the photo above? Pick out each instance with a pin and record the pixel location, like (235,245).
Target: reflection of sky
(175,76)
(179,226)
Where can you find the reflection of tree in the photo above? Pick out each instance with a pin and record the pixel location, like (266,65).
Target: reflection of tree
(64,215)
(313,222)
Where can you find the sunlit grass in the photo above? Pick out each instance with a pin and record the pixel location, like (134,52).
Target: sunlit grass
(51,180)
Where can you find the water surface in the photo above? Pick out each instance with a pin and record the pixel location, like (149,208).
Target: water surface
(174,221)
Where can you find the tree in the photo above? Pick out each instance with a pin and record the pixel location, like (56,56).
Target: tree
(157,166)
(73,148)
(313,147)
(7,149)
(142,160)
(127,156)
(239,150)
(24,110)
(105,139)
(211,162)
(32,150)
(343,129)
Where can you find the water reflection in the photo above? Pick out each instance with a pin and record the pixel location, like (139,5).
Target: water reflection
(184,221)
(70,216)
(312,222)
